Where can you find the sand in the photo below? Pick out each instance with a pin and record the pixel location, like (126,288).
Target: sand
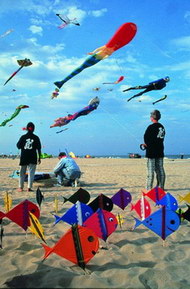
(135,259)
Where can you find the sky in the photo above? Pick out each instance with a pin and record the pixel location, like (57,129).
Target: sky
(161,47)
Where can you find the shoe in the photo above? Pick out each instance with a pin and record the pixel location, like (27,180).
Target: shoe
(29,190)
(20,190)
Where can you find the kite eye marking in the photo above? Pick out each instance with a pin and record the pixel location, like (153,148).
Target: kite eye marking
(107,204)
(111,219)
(172,222)
(90,238)
(87,214)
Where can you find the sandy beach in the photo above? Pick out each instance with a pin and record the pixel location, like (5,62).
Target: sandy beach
(134,259)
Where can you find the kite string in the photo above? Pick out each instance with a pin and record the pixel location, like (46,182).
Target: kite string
(123,126)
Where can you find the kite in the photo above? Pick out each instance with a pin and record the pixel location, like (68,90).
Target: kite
(115,82)
(102,202)
(122,37)
(56,204)
(39,196)
(93,104)
(186,198)
(103,223)
(120,220)
(6,33)
(17,111)
(35,227)
(67,21)
(8,202)
(1,235)
(20,214)
(55,93)
(22,63)
(78,245)
(62,130)
(142,207)
(154,85)
(186,215)
(162,98)
(163,222)
(77,214)
(81,195)
(122,198)
(169,201)
(155,194)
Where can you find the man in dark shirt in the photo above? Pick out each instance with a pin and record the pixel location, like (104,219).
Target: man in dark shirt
(154,85)
(29,144)
(154,145)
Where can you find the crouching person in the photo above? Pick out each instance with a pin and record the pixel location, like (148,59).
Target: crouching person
(67,171)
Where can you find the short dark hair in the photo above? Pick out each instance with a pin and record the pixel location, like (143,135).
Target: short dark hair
(30,126)
(62,154)
(155,114)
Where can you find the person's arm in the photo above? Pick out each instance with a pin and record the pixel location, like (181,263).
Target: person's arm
(59,166)
(20,144)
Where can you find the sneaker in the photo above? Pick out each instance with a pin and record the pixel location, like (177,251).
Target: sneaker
(20,190)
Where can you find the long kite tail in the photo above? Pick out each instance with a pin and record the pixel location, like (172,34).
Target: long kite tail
(92,60)
(13,75)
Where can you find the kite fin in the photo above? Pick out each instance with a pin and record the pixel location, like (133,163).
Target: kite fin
(2,215)
(47,249)
(138,223)
(58,84)
(64,200)
(180,198)
(57,219)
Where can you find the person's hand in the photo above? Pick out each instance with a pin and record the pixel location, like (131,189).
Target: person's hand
(143,146)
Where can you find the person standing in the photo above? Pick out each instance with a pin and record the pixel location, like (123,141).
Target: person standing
(154,145)
(30,146)
(66,170)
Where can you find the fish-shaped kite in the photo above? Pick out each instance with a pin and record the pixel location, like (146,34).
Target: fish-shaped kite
(169,201)
(102,202)
(115,82)
(103,223)
(155,194)
(186,215)
(185,198)
(160,99)
(93,104)
(163,222)
(22,63)
(142,208)
(20,213)
(77,214)
(122,198)
(35,227)
(17,111)
(8,202)
(81,195)
(122,37)
(39,196)
(78,245)
(66,21)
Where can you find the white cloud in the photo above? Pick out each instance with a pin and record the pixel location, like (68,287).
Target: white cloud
(98,13)
(183,43)
(36,29)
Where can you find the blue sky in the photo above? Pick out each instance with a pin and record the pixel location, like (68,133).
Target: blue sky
(160,48)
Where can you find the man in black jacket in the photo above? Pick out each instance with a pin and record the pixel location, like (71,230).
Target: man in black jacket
(154,145)
(29,144)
